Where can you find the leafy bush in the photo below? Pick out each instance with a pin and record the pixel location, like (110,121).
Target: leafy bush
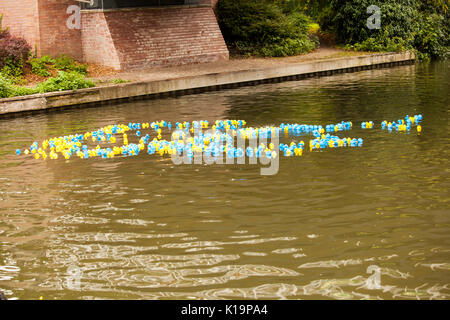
(13,72)
(405,24)
(381,42)
(287,47)
(13,50)
(313,8)
(65,81)
(432,37)
(23,91)
(6,88)
(434,6)
(40,66)
(350,18)
(259,27)
(66,63)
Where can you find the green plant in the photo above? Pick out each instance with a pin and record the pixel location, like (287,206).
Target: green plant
(432,37)
(380,43)
(12,71)
(81,69)
(118,81)
(287,47)
(6,88)
(66,63)
(260,27)
(312,8)
(13,50)
(398,19)
(23,91)
(40,66)
(422,25)
(65,81)
(47,60)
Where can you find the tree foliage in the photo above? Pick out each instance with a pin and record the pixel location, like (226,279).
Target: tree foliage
(261,27)
(405,24)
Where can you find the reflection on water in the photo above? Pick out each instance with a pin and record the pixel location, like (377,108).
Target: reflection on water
(143,228)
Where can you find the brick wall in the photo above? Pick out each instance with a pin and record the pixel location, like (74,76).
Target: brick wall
(43,24)
(55,36)
(122,39)
(21,17)
(97,42)
(157,36)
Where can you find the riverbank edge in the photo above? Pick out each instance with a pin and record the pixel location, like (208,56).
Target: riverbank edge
(199,83)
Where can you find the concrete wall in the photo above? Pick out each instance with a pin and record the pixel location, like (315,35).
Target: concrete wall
(136,38)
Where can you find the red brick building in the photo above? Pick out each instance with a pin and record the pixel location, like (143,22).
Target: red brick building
(122,34)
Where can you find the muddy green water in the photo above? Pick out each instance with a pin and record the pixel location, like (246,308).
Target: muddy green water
(329,225)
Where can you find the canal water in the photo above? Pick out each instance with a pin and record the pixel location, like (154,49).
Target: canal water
(349,223)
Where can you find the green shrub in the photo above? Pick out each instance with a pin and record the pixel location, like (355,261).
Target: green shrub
(81,69)
(405,24)
(398,18)
(325,19)
(40,66)
(432,36)
(12,71)
(312,8)
(47,60)
(13,50)
(65,81)
(287,47)
(6,88)
(380,43)
(66,63)
(434,6)
(23,91)
(118,81)
(260,27)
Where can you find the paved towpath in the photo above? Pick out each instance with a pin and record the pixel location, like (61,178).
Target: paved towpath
(234,64)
